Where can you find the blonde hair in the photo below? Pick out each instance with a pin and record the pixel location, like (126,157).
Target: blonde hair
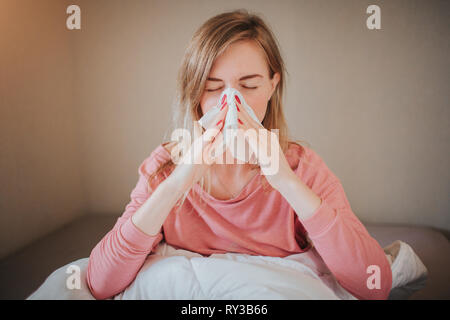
(207,43)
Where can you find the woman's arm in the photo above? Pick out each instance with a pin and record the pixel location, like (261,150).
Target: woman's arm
(116,259)
(342,241)
(151,215)
(301,198)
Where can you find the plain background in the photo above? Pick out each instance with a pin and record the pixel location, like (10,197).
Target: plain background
(81,109)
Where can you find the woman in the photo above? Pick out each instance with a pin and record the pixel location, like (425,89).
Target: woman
(219,208)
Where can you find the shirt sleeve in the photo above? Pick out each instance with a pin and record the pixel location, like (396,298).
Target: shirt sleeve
(356,260)
(117,258)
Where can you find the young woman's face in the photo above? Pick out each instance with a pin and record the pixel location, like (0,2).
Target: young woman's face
(241,66)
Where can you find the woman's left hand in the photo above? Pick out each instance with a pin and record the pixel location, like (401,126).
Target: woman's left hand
(265,147)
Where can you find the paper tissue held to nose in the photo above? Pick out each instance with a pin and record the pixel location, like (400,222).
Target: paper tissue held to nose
(231,119)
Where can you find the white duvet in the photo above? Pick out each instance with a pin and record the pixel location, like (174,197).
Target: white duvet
(172,273)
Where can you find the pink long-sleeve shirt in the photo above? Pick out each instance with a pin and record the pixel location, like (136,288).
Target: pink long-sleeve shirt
(256,222)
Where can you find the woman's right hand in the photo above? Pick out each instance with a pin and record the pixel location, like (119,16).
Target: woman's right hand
(193,165)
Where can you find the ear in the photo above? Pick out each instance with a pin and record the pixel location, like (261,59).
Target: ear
(274,82)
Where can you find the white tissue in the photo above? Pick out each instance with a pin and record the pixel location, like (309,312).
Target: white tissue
(231,120)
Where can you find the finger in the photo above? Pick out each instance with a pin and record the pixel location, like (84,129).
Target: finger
(220,116)
(242,118)
(246,122)
(214,150)
(216,126)
(214,147)
(245,117)
(205,138)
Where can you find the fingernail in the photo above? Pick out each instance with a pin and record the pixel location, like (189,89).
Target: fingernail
(223,106)
(218,122)
(237,99)
(240,121)
(237,108)
(224,97)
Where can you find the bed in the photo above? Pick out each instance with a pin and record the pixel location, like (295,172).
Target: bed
(420,258)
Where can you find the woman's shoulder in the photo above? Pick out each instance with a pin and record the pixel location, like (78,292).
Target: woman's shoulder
(157,158)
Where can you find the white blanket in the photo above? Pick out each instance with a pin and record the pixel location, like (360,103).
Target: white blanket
(179,274)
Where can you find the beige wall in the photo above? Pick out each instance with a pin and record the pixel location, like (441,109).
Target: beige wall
(40,162)
(373,104)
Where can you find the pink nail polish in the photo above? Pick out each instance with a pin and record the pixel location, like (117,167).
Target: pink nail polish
(237,99)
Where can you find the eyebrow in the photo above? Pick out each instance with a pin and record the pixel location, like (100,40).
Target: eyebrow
(242,78)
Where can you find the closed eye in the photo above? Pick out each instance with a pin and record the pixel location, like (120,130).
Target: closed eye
(211,90)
